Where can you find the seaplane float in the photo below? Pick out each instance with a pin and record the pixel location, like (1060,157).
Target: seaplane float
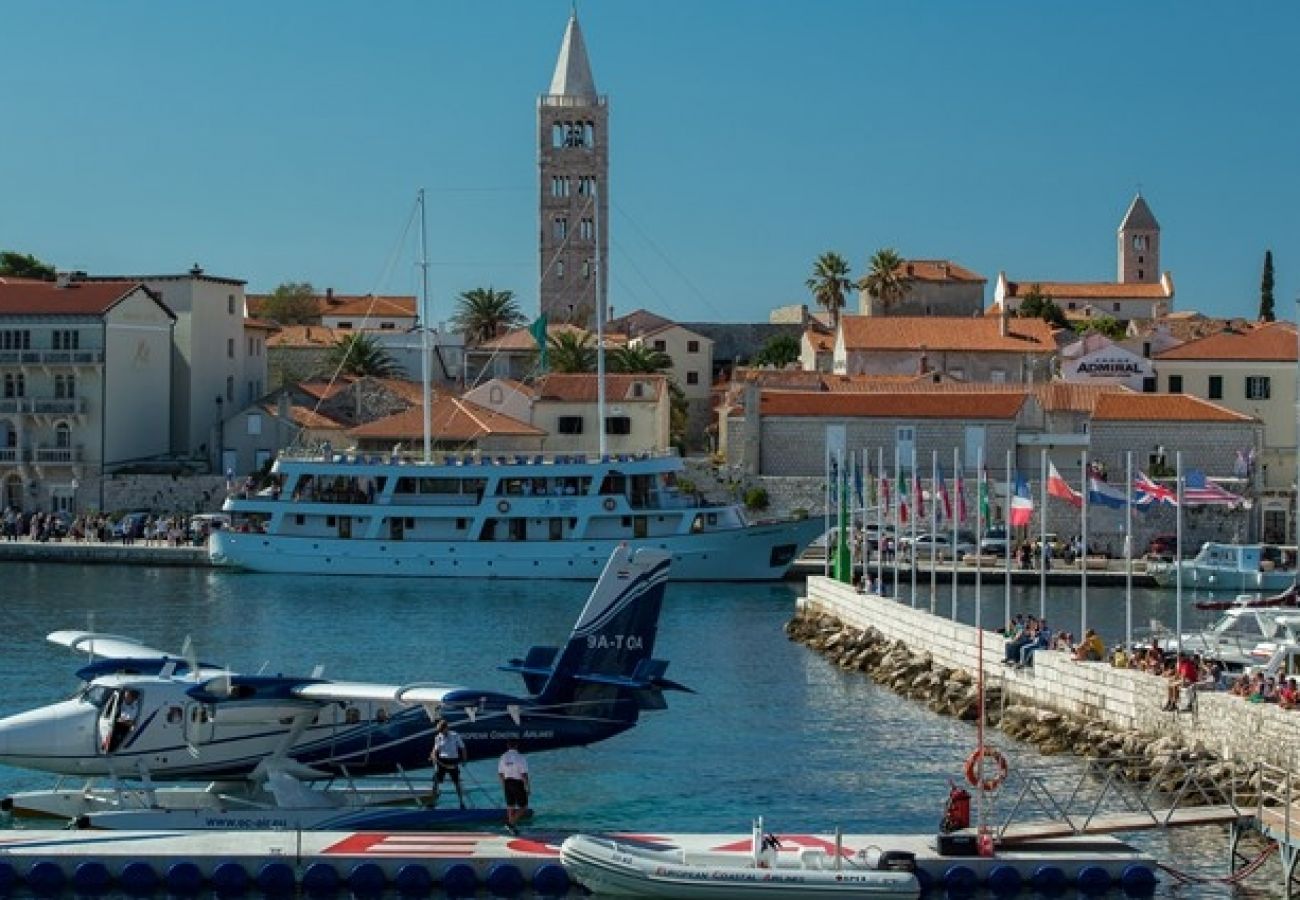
(262,746)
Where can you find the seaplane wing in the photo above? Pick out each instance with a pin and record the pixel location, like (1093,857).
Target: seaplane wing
(108,646)
(358,691)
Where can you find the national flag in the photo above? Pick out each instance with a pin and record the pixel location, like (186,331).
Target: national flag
(918,498)
(1198,491)
(984,499)
(884,491)
(1101,493)
(1147,492)
(943,496)
(843,570)
(903,489)
(960,490)
(1060,489)
(874,486)
(538,331)
(1022,503)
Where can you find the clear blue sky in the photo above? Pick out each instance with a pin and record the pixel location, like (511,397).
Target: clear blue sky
(285,141)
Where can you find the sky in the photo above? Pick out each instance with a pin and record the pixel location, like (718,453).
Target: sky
(286,141)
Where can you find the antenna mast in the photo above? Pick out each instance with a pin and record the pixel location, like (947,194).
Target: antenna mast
(424,335)
(600,329)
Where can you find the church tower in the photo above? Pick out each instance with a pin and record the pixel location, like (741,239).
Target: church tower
(1139,245)
(573,186)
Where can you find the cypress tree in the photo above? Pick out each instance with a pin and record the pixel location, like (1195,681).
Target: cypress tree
(1266,289)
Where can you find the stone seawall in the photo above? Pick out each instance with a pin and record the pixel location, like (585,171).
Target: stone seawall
(1121,700)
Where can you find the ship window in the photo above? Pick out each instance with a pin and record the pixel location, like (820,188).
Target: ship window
(299,519)
(711,518)
(462,524)
(330,521)
(557,529)
(626,522)
(518,529)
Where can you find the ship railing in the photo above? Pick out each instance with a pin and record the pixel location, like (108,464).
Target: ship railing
(474,458)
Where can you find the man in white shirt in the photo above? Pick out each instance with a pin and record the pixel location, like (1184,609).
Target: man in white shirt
(447,756)
(128,713)
(512,769)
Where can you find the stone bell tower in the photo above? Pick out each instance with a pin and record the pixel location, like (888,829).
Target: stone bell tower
(573,187)
(1139,245)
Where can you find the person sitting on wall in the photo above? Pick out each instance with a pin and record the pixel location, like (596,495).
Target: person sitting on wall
(1091,648)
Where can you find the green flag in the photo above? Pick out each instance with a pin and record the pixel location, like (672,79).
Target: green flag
(538,331)
(843,554)
(984,500)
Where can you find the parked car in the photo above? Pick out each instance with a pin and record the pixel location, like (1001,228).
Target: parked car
(934,546)
(995,542)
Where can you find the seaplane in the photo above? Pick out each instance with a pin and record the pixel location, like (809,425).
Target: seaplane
(195,721)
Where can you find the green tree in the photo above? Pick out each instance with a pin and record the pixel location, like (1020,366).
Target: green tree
(830,283)
(883,282)
(1266,289)
(572,351)
(1106,325)
(678,416)
(1037,305)
(483,314)
(361,354)
(779,351)
(24,265)
(639,358)
(292,303)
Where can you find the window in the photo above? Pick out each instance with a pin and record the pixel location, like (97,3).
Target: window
(618,425)
(1258,387)
(345,326)
(230,304)
(1148,385)
(661,346)
(65,387)
(250,346)
(15,340)
(586,186)
(998,376)
(587,229)
(560,228)
(1141,274)
(1146,349)
(586,268)
(1216,387)
(230,388)
(692,377)
(559,268)
(15,384)
(1175,384)
(67,340)
(638,389)
(559,186)
(904,445)
(1116,307)
(230,348)
(692,346)
(570,425)
(62,436)
(255,423)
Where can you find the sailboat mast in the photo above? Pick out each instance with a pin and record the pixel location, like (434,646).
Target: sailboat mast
(600,329)
(426,405)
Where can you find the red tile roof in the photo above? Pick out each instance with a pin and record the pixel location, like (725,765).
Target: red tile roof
(348,305)
(977,333)
(820,341)
(1091,290)
(303,336)
(1133,407)
(453,419)
(937,270)
(895,405)
(23,297)
(1272,342)
(582,388)
(305,417)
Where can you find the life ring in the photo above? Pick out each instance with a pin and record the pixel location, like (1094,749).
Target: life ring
(991,759)
(610,504)
(503,507)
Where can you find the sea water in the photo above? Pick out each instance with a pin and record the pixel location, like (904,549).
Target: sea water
(772,730)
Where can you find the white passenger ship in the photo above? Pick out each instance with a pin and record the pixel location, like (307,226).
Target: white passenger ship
(496,516)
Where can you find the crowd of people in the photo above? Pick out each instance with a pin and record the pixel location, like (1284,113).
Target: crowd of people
(147,529)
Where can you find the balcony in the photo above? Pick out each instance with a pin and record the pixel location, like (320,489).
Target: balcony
(51,357)
(12,456)
(43,405)
(57,455)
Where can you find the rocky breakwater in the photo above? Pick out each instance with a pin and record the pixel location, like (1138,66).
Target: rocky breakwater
(1134,755)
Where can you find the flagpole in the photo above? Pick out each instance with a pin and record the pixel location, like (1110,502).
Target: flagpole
(826,515)
(1128,549)
(1178,552)
(866,498)
(1083,553)
(880,522)
(956,505)
(911,519)
(897,506)
(1042,540)
(979,529)
(934,530)
(1006,527)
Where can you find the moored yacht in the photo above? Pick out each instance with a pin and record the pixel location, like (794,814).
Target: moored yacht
(1231,567)
(495,516)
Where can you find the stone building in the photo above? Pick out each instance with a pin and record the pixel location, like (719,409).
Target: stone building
(935,287)
(573,186)
(984,348)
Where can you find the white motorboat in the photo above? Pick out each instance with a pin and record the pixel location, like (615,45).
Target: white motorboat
(480,515)
(1230,567)
(1243,635)
(630,868)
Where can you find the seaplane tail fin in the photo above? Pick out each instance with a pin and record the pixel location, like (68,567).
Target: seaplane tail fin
(607,666)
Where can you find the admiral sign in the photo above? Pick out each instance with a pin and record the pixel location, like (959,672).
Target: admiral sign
(1111,365)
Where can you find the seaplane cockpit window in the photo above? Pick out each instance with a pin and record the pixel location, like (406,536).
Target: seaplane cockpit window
(94,694)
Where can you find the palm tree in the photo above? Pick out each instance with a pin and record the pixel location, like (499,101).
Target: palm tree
(572,351)
(882,282)
(361,354)
(830,283)
(483,314)
(641,358)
